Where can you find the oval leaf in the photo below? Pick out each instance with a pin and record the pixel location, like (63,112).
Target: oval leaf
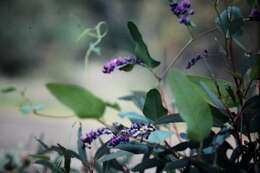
(82,102)
(193,109)
(158,136)
(141,50)
(153,107)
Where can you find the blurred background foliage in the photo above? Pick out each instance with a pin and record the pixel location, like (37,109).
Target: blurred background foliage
(39,44)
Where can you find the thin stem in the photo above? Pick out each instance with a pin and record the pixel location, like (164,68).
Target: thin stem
(51,116)
(176,58)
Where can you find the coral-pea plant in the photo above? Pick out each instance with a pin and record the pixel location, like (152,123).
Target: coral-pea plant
(222,117)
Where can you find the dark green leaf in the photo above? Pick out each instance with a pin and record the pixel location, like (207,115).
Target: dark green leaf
(231,21)
(149,163)
(127,68)
(114,106)
(219,117)
(212,87)
(40,156)
(214,99)
(153,107)
(177,164)
(134,117)
(115,155)
(81,147)
(158,136)
(172,118)
(8,89)
(133,147)
(101,151)
(137,97)
(141,50)
(49,165)
(191,106)
(81,101)
(255,70)
(251,115)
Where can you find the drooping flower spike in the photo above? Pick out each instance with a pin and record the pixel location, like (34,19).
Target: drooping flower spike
(182,9)
(120,133)
(120,62)
(195,59)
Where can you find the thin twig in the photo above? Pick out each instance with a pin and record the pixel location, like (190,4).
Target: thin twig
(176,58)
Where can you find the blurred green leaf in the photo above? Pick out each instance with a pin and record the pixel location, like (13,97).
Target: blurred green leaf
(255,69)
(191,106)
(231,21)
(141,50)
(49,165)
(40,156)
(115,155)
(153,107)
(211,85)
(134,117)
(127,68)
(133,147)
(177,164)
(149,163)
(137,97)
(159,135)
(81,148)
(102,150)
(214,99)
(81,101)
(172,118)
(251,115)
(8,89)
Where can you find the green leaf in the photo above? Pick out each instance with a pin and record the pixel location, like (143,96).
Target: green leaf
(172,118)
(101,151)
(134,117)
(40,156)
(231,21)
(49,165)
(81,147)
(192,107)
(137,97)
(8,89)
(159,135)
(127,68)
(115,155)
(133,147)
(214,99)
(251,115)
(149,163)
(141,50)
(177,164)
(211,85)
(81,101)
(153,107)
(255,70)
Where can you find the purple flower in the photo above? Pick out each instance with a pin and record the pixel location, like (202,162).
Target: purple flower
(195,59)
(121,134)
(117,139)
(255,13)
(92,135)
(182,9)
(119,62)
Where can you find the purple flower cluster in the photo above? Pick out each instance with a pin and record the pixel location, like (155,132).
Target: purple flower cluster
(136,130)
(92,135)
(119,62)
(121,134)
(195,59)
(255,13)
(182,9)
